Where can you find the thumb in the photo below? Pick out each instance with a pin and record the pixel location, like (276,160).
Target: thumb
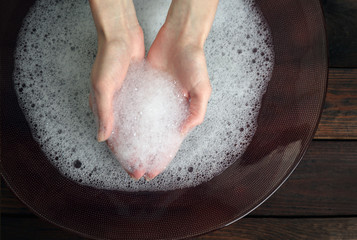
(199,97)
(104,87)
(103,109)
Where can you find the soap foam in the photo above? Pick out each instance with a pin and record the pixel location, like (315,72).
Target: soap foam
(149,112)
(55,52)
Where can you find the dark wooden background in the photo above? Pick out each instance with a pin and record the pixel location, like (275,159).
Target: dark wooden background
(319,200)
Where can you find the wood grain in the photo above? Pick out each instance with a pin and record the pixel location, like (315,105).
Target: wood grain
(14,228)
(10,203)
(247,228)
(287,228)
(324,184)
(341,21)
(339,117)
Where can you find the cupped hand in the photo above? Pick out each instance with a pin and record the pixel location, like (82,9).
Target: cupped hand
(177,49)
(185,61)
(120,40)
(108,73)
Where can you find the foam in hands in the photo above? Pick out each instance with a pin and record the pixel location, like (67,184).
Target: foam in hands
(149,111)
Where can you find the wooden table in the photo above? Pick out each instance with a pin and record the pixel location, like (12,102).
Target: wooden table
(319,201)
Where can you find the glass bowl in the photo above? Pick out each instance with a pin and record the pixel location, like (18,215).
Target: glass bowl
(287,121)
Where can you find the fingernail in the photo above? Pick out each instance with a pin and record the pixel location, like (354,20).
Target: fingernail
(147,178)
(131,175)
(135,174)
(101,133)
(100,137)
(134,178)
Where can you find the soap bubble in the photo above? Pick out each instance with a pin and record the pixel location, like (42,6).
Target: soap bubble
(149,112)
(53,61)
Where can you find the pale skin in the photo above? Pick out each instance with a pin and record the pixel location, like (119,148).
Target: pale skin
(177,49)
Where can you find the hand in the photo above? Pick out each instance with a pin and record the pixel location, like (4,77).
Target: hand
(120,40)
(186,62)
(178,49)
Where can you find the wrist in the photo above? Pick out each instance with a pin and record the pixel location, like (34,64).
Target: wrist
(114,20)
(190,20)
(179,36)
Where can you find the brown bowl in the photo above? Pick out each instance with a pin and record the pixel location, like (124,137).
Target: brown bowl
(288,118)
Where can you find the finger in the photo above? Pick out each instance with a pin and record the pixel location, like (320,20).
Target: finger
(137,173)
(156,170)
(133,169)
(104,111)
(161,162)
(198,105)
(104,89)
(153,173)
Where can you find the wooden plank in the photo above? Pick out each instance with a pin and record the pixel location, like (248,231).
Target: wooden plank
(10,203)
(339,117)
(288,228)
(341,21)
(246,228)
(323,184)
(24,228)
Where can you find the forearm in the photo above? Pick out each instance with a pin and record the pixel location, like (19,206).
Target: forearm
(113,18)
(191,19)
